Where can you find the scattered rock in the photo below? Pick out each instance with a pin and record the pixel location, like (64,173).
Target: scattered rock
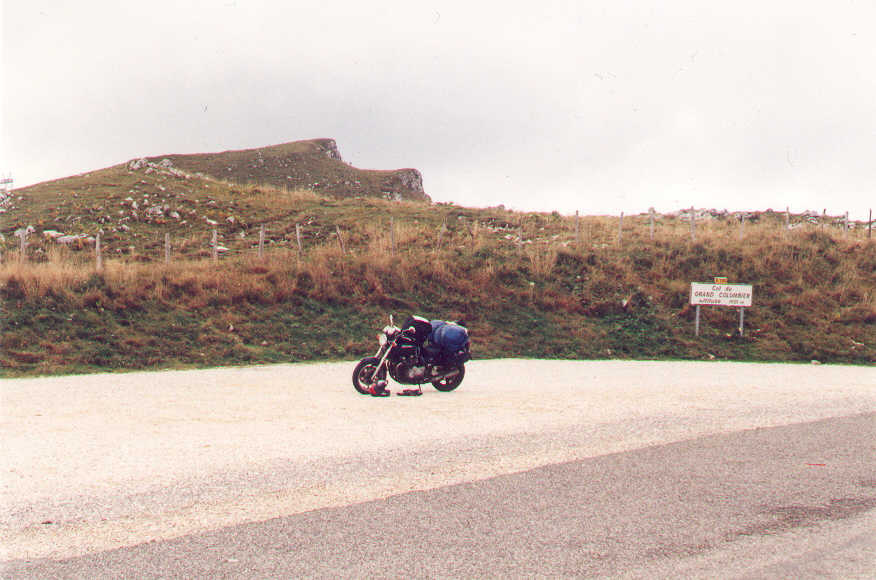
(164,167)
(69,239)
(137,164)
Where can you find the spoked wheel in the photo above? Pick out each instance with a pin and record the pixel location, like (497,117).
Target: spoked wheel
(363,375)
(449,383)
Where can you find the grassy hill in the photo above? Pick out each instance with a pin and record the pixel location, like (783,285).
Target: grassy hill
(528,284)
(314,165)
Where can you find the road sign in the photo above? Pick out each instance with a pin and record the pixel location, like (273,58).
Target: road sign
(738,295)
(720,294)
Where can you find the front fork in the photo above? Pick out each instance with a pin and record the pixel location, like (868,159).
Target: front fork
(380,365)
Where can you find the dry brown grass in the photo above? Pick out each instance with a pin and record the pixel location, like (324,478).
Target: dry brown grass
(797,259)
(814,290)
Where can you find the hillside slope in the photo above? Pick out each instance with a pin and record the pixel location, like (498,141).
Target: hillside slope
(528,284)
(133,205)
(314,165)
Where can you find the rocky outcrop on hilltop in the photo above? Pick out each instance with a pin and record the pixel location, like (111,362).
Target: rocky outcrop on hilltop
(401,180)
(316,165)
(331,149)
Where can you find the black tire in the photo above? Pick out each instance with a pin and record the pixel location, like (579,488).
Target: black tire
(363,374)
(450,383)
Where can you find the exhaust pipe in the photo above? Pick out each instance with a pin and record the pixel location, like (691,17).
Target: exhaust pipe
(452,373)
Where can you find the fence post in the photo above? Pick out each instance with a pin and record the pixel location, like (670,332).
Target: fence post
(298,239)
(167,247)
(466,226)
(577,231)
(620,229)
(870,225)
(846,225)
(651,222)
(22,252)
(741,226)
(823,218)
(391,236)
(261,240)
(215,246)
(787,217)
(340,239)
(97,252)
(693,235)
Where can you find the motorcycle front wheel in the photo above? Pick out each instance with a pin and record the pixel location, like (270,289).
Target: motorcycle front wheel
(363,374)
(448,384)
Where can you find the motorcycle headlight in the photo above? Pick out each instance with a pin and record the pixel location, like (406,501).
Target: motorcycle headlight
(381,338)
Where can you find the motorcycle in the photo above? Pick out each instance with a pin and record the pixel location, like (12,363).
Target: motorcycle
(404,357)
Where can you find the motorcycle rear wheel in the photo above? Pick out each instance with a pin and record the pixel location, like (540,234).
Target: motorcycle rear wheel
(363,374)
(448,384)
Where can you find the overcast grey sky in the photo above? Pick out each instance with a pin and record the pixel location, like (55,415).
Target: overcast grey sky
(601,107)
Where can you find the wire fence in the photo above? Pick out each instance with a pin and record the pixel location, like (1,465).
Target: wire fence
(513,232)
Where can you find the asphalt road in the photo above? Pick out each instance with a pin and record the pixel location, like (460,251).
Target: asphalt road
(795,501)
(531,469)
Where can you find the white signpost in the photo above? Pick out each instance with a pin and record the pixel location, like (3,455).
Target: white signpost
(720,294)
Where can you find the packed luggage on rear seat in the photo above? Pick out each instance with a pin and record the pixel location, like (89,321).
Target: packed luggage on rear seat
(451,339)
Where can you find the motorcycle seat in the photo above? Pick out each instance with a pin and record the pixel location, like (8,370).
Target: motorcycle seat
(432,351)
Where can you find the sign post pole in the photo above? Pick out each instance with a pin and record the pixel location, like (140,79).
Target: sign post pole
(741,320)
(697,322)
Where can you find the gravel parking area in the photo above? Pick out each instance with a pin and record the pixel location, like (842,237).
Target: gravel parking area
(101,461)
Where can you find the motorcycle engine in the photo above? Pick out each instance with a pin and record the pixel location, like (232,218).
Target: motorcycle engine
(406,371)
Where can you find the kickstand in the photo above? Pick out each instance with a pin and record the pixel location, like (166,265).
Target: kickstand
(411,393)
